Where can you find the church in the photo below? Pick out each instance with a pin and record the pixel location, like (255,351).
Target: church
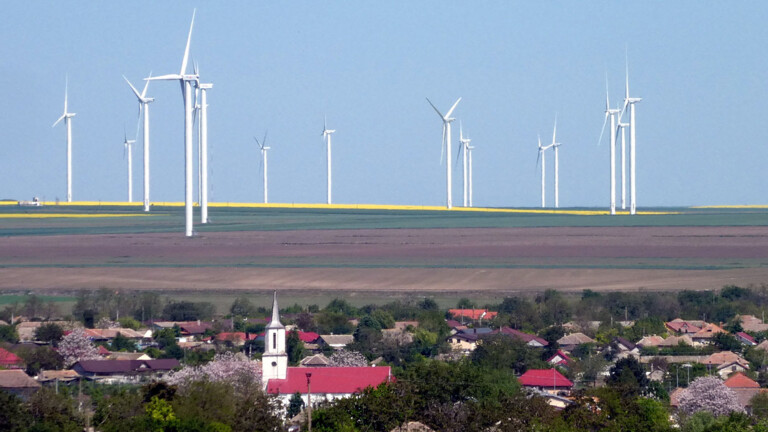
(322,383)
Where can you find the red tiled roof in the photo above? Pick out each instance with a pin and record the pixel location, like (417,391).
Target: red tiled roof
(564,358)
(334,380)
(747,337)
(739,380)
(682,326)
(235,336)
(308,337)
(8,358)
(544,378)
(473,314)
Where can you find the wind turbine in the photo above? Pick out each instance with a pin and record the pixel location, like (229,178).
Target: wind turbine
(555,145)
(264,148)
(612,112)
(464,147)
(542,156)
(327,136)
(186,88)
(144,102)
(127,144)
(203,142)
(631,101)
(620,129)
(446,147)
(66,117)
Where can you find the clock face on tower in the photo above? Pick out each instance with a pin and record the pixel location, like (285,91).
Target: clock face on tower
(274,364)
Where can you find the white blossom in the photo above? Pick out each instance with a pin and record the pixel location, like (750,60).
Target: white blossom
(709,394)
(344,358)
(77,346)
(231,368)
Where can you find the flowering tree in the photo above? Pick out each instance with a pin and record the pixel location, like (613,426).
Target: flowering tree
(709,394)
(106,323)
(231,368)
(344,358)
(77,346)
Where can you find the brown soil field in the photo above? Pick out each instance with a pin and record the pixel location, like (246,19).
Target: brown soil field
(497,260)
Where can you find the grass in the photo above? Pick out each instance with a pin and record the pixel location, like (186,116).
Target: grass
(119,218)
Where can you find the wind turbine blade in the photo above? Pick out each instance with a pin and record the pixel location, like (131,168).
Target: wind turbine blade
(618,131)
(450,111)
(461,132)
(258,143)
(138,125)
(442,146)
(607,103)
(186,50)
(435,108)
(624,108)
(554,131)
(144,92)
(626,72)
(264,142)
(60,119)
(66,92)
(599,140)
(458,154)
(136,92)
(164,77)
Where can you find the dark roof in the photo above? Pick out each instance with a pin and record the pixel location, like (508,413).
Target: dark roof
(506,331)
(624,342)
(123,366)
(478,330)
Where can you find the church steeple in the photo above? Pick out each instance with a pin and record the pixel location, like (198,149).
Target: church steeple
(274,362)
(275,323)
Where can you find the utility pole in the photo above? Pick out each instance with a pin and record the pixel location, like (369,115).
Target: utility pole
(309,403)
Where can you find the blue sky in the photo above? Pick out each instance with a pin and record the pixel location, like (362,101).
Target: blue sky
(699,67)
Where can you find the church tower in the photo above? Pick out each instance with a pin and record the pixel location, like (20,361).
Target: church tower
(274,362)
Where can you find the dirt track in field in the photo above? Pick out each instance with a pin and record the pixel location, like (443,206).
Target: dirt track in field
(402,260)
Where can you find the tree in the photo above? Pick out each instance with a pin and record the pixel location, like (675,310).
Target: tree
(428,304)
(13,416)
(628,375)
(709,394)
(294,347)
(759,404)
(106,323)
(53,412)
(8,333)
(128,322)
(234,369)
(242,307)
(465,303)
(295,405)
(50,333)
(384,318)
(122,343)
(76,346)
(344,358)
(506,353)
(39,358)
(727,342)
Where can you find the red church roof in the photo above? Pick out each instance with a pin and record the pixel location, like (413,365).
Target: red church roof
(544,378)
(10,360)
(308,337)
(335,380)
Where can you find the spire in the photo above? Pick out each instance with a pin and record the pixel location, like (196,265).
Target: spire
(275,323)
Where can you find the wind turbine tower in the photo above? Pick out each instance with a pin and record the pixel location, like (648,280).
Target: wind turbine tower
(204,87)
(66,117)
(127,145)
(264,148)
(186,88)
(144,102)
(447,119)
(631,101)
(465,148)
(542,156)
(555,145)
(609,112)
(327,136)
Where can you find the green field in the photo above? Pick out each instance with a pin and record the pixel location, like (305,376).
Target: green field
(87,220)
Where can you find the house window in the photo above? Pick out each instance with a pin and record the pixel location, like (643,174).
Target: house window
(274,340)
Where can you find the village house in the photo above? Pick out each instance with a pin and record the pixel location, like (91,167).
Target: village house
(560,359)
(707,334)
(471,315)
(745,389)
(336,342)
(316,383)
(751,323)
(16,382)
(726,363)
(9,360)
(745,339)
(124,371)
(681,326)
(571,341)
(546,380)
